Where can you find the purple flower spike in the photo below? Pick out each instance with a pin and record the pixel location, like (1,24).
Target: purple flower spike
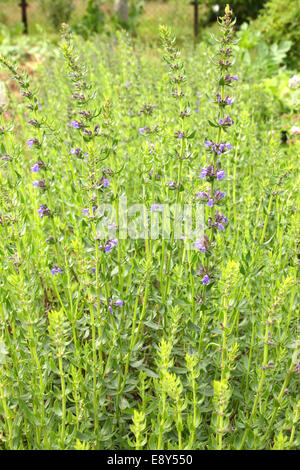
(210,202)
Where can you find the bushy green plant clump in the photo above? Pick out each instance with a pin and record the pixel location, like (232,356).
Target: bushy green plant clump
(280,21)
(92,20)
(116,342)
(58,10)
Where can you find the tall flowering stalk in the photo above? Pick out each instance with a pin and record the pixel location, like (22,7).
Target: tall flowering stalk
(84,126)
(38,124)
(177,81)
(213,173)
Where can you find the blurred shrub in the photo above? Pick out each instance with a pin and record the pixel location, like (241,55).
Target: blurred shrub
(244,10)
(263,59)
(92,21)
(280,20)
(58,11)
(134,15)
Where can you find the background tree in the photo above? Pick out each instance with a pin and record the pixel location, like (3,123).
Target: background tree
(121,8)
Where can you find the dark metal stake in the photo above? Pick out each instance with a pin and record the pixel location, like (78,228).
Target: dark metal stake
(195,4)
(23,6)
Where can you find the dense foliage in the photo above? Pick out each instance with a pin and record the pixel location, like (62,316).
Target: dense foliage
(244,9)
(281,22)
(116,342)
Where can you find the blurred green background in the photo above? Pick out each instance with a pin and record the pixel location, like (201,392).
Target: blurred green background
(271,20)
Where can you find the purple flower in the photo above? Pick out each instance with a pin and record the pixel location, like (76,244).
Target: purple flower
(210,173)
(104,182)
(75,124)
(203,195)
(43,210)
(199,246)
(205,280)
(225,64)
(223,102)
(202,245)
(217,221)
(33,122)
(32,142)
(144,129)
(219,195)
(76,151)
(156,208)
(217,148)
(220,174)
(118,303)
(226,122)
(37,167)
(39,183)
(109,245)
(205,172)
(86,211)
(56,270)
(229,78)
(208,144)
(179,134)
(206,196)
